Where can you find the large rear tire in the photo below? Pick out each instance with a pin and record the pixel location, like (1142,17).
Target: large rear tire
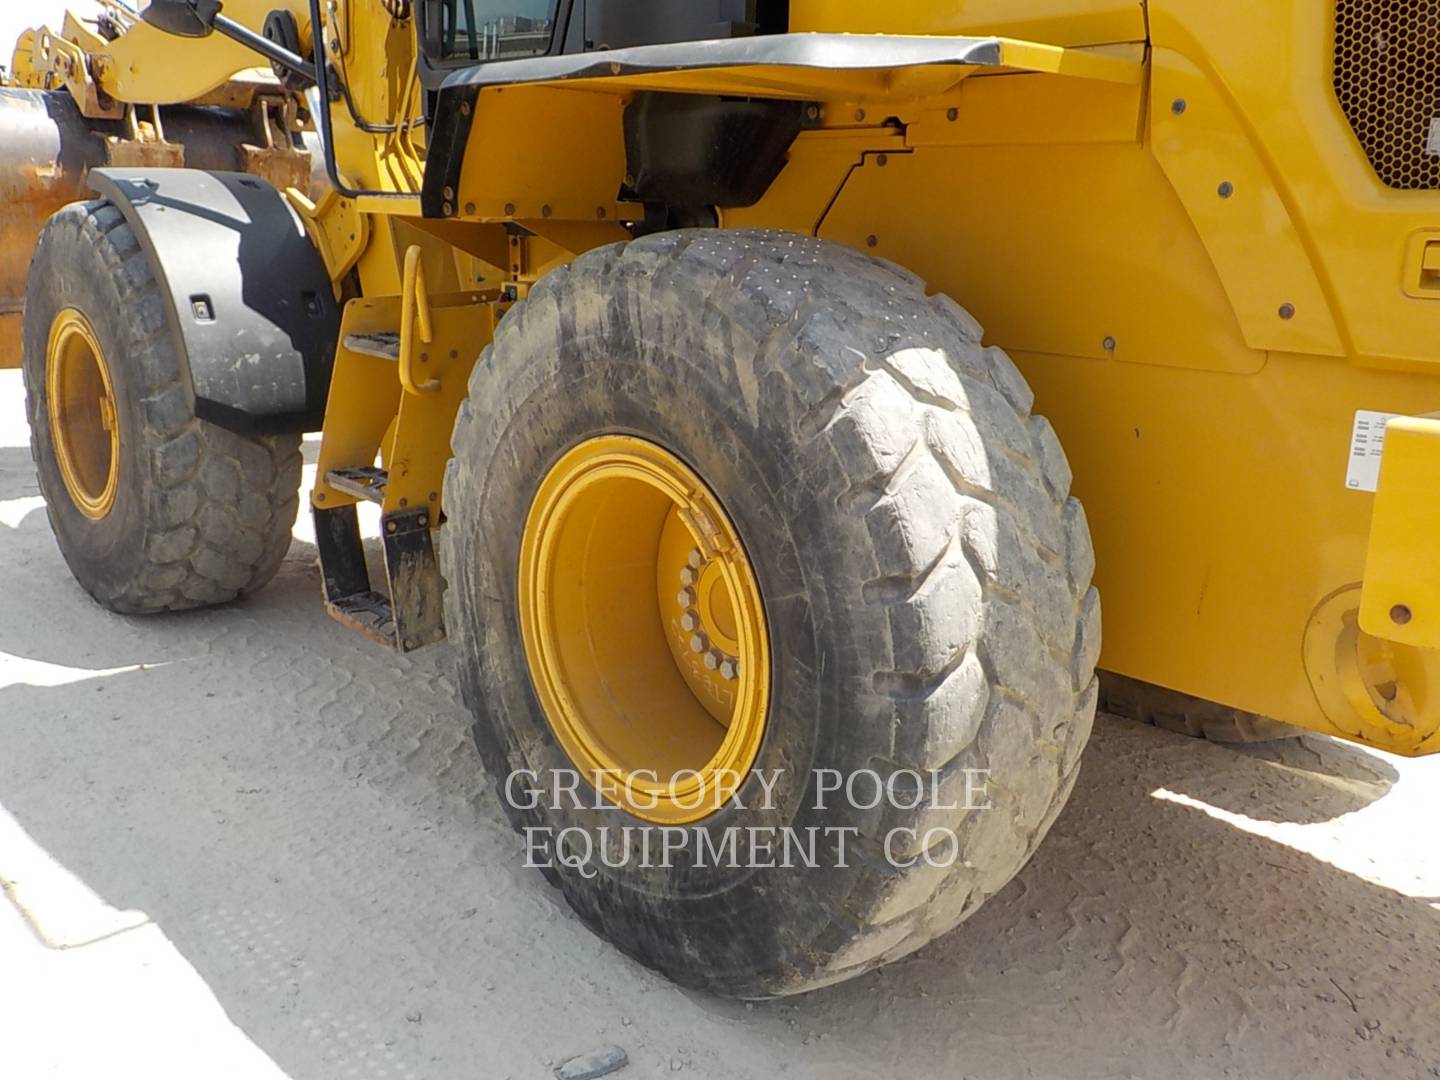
(154,509)
(925,580)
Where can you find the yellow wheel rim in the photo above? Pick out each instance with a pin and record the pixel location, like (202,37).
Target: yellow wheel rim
(644,630)
(83,426)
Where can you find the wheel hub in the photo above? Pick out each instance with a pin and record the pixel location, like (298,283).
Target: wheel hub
(643,629)
(81,404)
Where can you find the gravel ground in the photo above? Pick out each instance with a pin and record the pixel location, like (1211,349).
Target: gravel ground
(248,843)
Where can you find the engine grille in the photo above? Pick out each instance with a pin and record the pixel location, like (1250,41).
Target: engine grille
(1387,77)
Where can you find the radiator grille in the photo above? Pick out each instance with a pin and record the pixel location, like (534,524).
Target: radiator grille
(1387,76)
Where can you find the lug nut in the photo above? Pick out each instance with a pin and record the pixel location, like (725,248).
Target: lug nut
(687,576)
(712,660)
(695,558)
(685,598)
(698,644)
(689,622)
(729,669)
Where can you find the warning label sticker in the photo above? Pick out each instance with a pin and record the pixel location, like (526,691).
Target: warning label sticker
(1367,443)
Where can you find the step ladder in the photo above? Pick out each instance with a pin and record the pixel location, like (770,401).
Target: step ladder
(411,613)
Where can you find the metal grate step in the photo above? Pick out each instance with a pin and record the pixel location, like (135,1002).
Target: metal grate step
(385,346)
(364,483)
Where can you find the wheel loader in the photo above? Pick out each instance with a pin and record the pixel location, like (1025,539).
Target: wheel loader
(730,376)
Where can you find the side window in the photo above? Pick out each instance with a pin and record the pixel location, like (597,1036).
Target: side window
(490,29)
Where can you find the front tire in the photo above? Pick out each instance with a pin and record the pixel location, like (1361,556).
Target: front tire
(154,509)
(924,574)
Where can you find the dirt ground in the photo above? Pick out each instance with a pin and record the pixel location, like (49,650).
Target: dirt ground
(247,843)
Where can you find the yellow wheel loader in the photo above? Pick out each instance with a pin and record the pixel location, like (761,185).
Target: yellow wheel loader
(699,356)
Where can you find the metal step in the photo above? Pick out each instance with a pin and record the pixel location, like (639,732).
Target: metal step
(365,482)
(385,346)
(412,615)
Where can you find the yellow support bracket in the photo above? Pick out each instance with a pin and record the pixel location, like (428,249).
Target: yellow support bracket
(1400,598)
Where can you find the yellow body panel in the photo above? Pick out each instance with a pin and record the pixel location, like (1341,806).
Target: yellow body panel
(1161,211)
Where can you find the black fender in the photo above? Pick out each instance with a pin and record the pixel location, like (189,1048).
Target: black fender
(250,303)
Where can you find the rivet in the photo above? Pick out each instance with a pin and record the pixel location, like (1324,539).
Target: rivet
(509,209)
(449,192)
(404,502)
(1178,106)
(470,208)
(600,212)
(320,497)
(454,355)
(423,520)
(1400,614)
(545,211)
(1287,311)
(882,160)
(448,210)
(1109,344)
(859,115)
(390,526)
(1226,189)
(952,115)
(872,240)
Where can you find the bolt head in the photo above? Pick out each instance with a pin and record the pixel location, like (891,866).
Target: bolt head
(695,558)
(729,669)
(685,598)
(712,660)
(687,576)
(1178,106)
(1225,190)
(689,622)
(1287,311)
(1401,614)
(1109,344)
(698,644)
